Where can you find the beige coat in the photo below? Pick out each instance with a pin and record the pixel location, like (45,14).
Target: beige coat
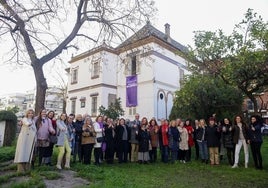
(26,142)
(183,145)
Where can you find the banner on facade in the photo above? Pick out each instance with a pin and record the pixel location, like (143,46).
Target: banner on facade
(131,91)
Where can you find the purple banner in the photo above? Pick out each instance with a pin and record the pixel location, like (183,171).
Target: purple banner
(131,88)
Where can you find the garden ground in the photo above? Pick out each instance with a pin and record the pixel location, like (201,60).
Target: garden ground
(132,175)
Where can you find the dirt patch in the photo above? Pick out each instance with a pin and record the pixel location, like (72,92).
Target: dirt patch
(68,180)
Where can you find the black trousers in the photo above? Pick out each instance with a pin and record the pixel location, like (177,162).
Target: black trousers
(231,155)
(109,153)
(97,154)
(42,153)
(256,153)
(188,154)
(153,154)
(77,151)
(86,150)
(123,151)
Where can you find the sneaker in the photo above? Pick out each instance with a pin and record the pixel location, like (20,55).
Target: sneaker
(58,167)
(235,166)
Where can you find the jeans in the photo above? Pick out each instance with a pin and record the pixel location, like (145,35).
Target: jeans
(164,154)
(238,148)
(203,149)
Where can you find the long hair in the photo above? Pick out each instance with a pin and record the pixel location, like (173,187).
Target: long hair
(39,118)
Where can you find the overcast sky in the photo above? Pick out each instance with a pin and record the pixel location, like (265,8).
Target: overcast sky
(183,16)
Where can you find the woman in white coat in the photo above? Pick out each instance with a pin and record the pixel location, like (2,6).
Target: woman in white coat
(26,142)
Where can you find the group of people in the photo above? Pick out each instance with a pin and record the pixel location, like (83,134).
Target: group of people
(134,141)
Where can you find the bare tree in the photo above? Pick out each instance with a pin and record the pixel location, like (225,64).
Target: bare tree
(36,27)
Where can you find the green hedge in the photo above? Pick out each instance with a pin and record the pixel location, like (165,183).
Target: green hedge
(11,126)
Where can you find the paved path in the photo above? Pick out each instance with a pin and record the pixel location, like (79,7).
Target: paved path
(68,180)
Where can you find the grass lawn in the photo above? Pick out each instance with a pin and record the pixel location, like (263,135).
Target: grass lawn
(130,175)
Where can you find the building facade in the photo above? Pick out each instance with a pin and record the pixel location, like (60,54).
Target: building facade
(144,72)
(53,101)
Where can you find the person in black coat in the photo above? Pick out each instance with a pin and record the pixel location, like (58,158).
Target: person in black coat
(255,138)
(213,141)
(227,138)
(78,124)
(143,138)
(109,139)
(122,138)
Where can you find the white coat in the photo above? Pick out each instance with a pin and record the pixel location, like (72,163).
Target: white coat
(26,141)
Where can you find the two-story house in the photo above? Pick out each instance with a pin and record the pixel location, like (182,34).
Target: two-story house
(144,72)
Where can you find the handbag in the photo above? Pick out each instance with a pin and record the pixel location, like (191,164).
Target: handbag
(53,139)
(100,139)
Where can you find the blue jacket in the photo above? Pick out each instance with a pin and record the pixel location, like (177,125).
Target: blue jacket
(255,135)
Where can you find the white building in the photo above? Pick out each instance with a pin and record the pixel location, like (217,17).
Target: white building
(150,60)
(53,101)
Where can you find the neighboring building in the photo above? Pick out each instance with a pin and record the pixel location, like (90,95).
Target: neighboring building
(13,100)
(144,72)
(54,100)
(262,101)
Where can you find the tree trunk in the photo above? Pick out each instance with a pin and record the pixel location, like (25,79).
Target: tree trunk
(64,106)
(41,87)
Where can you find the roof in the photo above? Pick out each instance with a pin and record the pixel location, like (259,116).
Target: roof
(149,30)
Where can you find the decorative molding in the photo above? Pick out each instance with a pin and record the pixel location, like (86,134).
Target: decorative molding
(92,87)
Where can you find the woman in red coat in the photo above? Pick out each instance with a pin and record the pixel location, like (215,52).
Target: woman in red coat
(190,131)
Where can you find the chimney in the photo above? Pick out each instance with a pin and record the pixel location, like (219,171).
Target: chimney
(167,32)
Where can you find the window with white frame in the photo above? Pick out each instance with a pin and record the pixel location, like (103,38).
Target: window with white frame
(83,102)
(94,105)
(111,99)
(132,65)
(73,106)
(95,73)
(131,111)
(74,75)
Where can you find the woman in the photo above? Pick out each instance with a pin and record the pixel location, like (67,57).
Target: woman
(227,138)
(190,130)
(143,138)
(44,128)
(109,139)
(98,127)
(202,140)
(122,137)
(77,138)
(154,139)
(240,138)
(52,138)
(63,142)
(174,137)
(163,140)
(87,140)
(256,140)
(183,144)
(26,142)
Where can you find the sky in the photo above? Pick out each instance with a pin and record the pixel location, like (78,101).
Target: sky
(184,18)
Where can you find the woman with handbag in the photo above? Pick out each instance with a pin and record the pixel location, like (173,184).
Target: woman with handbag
(87,140)
(98,127)
(52,137)
(63,142)
(44,128)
